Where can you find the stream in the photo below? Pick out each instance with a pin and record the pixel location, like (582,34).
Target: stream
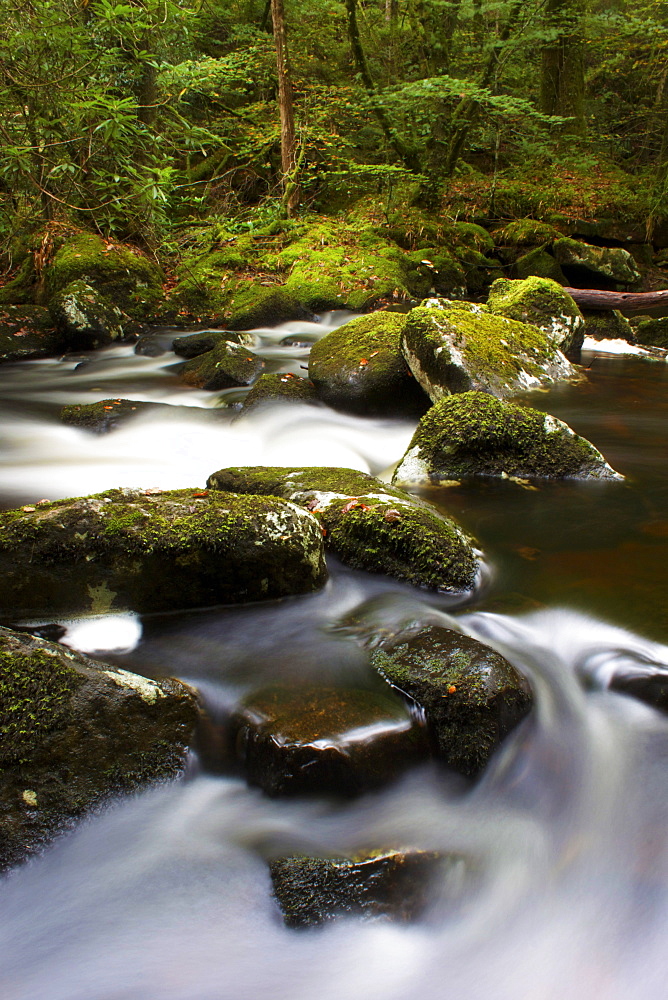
(166,895)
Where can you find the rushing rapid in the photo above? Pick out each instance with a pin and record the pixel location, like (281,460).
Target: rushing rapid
(561,890)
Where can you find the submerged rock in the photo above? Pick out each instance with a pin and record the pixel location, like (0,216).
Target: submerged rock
(86,317)
(395,885)
(191,345)
(27,332)
(471,695)
(359,368)
(295,741)
(542,303)
(108,413)
(453,347)
(474,434)
(281,386)
(154,550)
(585,262)
(75,732)
(227,365)
(369,525)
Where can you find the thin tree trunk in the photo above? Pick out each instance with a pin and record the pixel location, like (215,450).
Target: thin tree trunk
(285,107)
(562,88)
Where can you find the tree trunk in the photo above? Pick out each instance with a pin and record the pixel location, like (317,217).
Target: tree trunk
(285,108)
(594,298)
(562,78)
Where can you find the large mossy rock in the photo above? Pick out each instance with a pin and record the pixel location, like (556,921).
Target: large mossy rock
(453,347)
(542,303)
(296,741)
(75,732)
(471,695)
(589,264)
(651,332)
(474,434)
(280,387)
(522,236)
(152,550)
(85,316)
(359,368)
(394,885)
(608,324)
(228,365)
(118,271)
(369,525)
(539,263)
(28,332)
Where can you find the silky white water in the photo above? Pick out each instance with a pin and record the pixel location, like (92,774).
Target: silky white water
(562,890)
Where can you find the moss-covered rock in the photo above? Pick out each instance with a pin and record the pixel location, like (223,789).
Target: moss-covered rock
(453,347)
(74,732)
(583,262)
(539,263)
(27,332)
(651,331)
(152,550)
(471,695)
(118,271)
(437,271)
(369,525)
(87,318)
(542,303)
(191,345)
(526,233)
(474,434)
(608,324)
(279,387)
(295,741)
(108,414)
(23,286)
(359,368)
(395,885)
(227,365)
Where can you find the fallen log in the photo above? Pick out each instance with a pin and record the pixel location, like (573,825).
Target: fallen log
(594,298)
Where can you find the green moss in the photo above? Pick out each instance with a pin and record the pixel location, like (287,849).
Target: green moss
(226,366)
(542,303)
(650,331)
(35,691)
(526,232)
(540,263)
(475,434)
(613,263)
(282,386)
(122,273)
(21,289)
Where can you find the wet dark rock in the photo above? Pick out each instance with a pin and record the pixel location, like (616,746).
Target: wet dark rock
(76,732)
(359,368)
(396,885)
(224,367)
(298,341)
(588,264)
(27,332)
(295,741)
(153,550)
(369,525)
(282,386)
(86,317)
(52,631)
(150,347)
(471,695)
(650,687)
(192,345)
(474,434)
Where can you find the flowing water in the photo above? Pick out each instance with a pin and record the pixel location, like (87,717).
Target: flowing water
(564,889)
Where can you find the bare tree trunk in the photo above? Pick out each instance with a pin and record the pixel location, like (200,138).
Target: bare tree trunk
(594,298)
(285,108)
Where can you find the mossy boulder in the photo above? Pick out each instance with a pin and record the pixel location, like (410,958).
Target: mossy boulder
(359,368)
(394,885)
(608,324)
(584,263)
(539,263)
(75,732)
(227,365)
(28,332)
(453,347)
(279,387)
(192,345)
(369,525)
(542,303)
(651,331)
(296,741)
(87,318)
(118,271)
(474,434)
(522,236)
(471,695)
(436,271)
(108,414)
(154,550)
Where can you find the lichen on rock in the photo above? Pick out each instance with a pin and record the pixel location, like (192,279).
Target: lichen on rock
(152,550)
(86,317)
(474,434)
(612,263)
(370,525)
